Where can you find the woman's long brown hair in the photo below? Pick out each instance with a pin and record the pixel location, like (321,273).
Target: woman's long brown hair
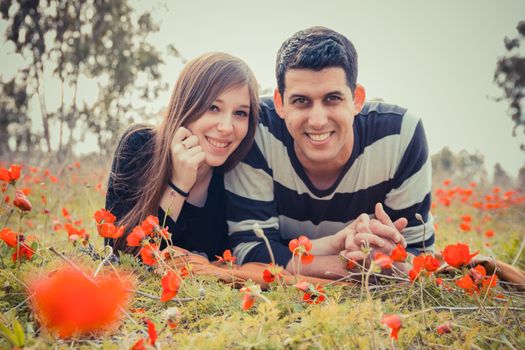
(199,84)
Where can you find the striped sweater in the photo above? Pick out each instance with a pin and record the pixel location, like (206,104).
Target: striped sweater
(389,164)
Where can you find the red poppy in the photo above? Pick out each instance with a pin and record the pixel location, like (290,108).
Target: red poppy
(152,332)
(458,255)
(226,257)
(66,214)
(398,253)
(23,252)
(466,218)
(315,297)
(383,261)
(104,216)
(170,286)
(150,225)
(109,230)
(268,276)
(444,328)
(136,236)
(21,201)
(69,302)
(466,283)
(9,237)
(149,254)
(431,263)
(11,174)
(465,226)
(350,264)
(489,233)
(271,273)
(489,282)
(72,230)
(394,323)
(301,247)
(247,301)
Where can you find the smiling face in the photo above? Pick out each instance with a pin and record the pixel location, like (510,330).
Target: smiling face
(224,125)
(319,109)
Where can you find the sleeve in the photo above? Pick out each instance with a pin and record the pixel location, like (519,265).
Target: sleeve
(250,200)
(412,187)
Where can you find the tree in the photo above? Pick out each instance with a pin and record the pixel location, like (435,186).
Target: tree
(510,76)
(501,178)
(102,40)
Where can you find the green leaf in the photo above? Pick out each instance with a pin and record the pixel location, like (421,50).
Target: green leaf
(8,335)
(19,333)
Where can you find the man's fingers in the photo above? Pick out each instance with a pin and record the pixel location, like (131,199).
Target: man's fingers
(400,224)
(382,216)
(361,238)
(387,232)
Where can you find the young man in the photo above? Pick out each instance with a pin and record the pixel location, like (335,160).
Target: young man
(322,157)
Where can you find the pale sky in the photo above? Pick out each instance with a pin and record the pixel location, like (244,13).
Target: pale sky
(437,58)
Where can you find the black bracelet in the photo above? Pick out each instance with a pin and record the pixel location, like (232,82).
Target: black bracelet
(178,190)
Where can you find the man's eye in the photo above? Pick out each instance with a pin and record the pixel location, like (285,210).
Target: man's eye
(333,98)
(300,101)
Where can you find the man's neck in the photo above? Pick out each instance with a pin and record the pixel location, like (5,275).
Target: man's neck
(323,177)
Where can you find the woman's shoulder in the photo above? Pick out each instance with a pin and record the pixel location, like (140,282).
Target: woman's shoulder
(136,137)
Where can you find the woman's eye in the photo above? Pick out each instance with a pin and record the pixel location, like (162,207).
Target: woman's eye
(214,108)
(241,113)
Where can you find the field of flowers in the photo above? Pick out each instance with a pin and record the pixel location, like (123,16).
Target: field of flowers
(61,288)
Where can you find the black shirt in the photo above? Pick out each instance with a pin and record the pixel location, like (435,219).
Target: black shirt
(197,229)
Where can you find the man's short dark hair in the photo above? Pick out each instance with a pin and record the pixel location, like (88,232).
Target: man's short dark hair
(316,48)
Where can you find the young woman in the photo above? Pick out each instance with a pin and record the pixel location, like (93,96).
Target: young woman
(177,166)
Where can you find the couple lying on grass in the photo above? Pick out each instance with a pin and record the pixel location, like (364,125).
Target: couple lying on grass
(314,161)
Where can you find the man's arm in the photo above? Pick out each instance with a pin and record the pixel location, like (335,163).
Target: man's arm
(411,192)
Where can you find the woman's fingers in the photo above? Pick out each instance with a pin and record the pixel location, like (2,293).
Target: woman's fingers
(190,141)
(181,134)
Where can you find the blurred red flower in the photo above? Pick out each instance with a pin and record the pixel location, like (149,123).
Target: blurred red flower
(394,323)
(10,174)
(69,302)
(226,257)
(398,253)
(21,201)
(9,237)
(383,260)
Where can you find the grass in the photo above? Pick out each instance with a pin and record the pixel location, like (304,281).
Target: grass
(214,319)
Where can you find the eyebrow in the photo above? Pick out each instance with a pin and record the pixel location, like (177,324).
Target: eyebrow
(335,92)
(241,106)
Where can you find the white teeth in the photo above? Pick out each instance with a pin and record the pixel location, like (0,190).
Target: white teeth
(319,137)
(217,144)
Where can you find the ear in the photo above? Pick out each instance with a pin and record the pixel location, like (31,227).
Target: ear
(359,97)
(278,103)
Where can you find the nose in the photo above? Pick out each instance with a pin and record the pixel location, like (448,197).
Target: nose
(318,117)
(225,124)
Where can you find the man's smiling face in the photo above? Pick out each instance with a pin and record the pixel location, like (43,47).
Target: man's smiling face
(319,109)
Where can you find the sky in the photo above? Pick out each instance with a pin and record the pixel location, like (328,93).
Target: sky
(436,58)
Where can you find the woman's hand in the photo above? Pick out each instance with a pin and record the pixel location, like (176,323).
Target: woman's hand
(186,155)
